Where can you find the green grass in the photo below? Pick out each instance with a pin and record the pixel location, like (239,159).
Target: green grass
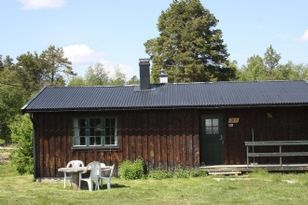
(258,188)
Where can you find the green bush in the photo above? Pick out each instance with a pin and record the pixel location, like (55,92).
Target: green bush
(181,173)
(159,174)
(197,173)
(21,134)
(131,170)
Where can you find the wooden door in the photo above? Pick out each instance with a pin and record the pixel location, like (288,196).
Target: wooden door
(212,140)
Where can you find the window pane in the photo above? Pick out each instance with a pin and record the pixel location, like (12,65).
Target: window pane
(112,131)
(112,140)
(97,140)
(215,122)
(98,123)
(92,122)
(82,122)
(215,130)
(112,122)
(107,123)
(98,133)
(208,122)
(92,142)
(107,140)
(208,130)
(107,132)
(91,131)
(95,131)
(82,141)
(82,132)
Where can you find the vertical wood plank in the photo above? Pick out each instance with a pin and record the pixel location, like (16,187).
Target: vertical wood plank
(151,148)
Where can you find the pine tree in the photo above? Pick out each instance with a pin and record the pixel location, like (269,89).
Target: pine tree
(189,47)
(271,58)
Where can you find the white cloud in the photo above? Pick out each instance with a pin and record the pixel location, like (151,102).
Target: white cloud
(82,56)
(305,36)
(39,4)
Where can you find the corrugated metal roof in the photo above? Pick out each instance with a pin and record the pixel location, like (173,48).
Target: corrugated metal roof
(218,94)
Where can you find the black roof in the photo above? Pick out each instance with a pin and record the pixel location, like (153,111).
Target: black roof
(181,95)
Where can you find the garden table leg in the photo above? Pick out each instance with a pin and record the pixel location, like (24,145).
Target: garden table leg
(75,181)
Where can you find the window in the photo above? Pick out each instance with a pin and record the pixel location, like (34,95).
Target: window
(95,132)
(211,126)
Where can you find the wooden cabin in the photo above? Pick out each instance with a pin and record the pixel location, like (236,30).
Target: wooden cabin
(167,125)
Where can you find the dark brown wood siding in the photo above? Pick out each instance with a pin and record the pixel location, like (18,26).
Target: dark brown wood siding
(264,124)
(165,138)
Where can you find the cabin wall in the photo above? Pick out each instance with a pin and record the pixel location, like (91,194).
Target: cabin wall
(264,124)
(164,139)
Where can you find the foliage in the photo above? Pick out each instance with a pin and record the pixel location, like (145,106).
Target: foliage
(268,68)
(21,134)
(132,170)
(254,69)
(119,78)
(55,64)
(181,173)
(30,72)
(21,80)
(12,97)
(189,47)
(159,174)
(271,58)
(77,81)
(1,63)
(97,75)
(133,81)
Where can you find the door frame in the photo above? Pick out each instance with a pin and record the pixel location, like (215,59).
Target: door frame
(222,128)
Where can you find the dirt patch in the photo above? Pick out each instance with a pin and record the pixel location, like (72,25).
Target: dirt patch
(5,153)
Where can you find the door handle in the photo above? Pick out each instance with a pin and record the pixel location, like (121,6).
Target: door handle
(221,139)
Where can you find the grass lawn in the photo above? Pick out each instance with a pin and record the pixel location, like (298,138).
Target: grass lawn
(257,188)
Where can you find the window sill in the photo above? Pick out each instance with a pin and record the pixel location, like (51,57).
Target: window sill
(107,148)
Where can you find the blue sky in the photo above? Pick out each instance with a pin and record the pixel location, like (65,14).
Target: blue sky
(113,32)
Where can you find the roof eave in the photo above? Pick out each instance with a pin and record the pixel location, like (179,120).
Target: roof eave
(24,108)
(166,107)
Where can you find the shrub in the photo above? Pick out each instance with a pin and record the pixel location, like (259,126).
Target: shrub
(21,134)
(197,173)
(159,174)
(181,173)
(131,170)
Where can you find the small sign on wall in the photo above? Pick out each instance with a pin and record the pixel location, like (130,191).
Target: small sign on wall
(233,120)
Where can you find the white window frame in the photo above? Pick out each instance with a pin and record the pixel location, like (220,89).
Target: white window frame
(87,131)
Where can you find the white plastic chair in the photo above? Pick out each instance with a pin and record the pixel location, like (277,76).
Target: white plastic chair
(95,173)
(107,178)
(73,163)
(103,165)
